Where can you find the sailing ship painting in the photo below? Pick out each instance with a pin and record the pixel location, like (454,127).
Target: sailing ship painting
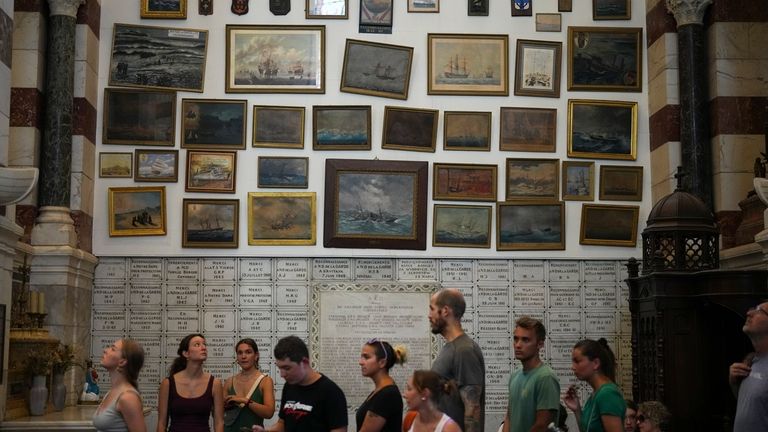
(378,69)
(210,222)
(602,128)
(468,68)
(283,172)
(531,226)
(468,64)
(156,165)
(532,179)
(467,130)
(281,218)
(462,226)
(578,180)
(605,58)
(375,204)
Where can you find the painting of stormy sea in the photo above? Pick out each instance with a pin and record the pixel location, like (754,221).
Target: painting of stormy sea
(379,204)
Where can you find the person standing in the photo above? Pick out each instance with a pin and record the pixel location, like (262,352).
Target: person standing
(382,410)
(121,409)
(749,379)
(422,392)
(534,391)
(250,395)
(460,360)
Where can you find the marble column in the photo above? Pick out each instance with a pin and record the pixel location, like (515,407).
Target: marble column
(696,149)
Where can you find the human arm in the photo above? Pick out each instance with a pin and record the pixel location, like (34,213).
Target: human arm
(277,427)
(571,401)
(542,420)
(505,427)
(339,429)
(452,426)
(162,406)
(612,423)
(129,407)
(471,396)
(372,422)
(267,409)
(736,373)
(218,406)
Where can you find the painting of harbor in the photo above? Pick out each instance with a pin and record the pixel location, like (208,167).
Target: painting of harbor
(115,164)
(136,211)
(281,218)
(210,223)
(218,124)
(339,127)
(139,117)
(605,59)
(376,69)
(602,129)
(468,64)
(463,130)
(530,179)
(531,226)
(211,171)
(462,226)
(275,126)
(283,172)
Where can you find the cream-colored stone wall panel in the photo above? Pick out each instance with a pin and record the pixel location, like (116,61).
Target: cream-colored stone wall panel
(663,90)
(83,155)
(757,44)
(660,190)
(728,40)
(736,153)
(4,136)
(29,31)
(730,188)
(81,193)
(24,146)
(662,55)
(664,161)
(739,78)
(28,70)
(86,46)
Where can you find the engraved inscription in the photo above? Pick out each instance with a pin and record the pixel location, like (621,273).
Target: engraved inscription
(374,269)
(292,295)
(220,347)
(600,296)
(417,269)
(529,296)
(255,295)
(600,322)
(292,321)
(255,269)
(455,271)
(152,346)
(108,320)
(292,269)
(564,296)
(147,268)
(493,321)
(600,271)
(111,268)
(146,294)
(496,349)
(219,295)
(560,350)
(493,270)
(331,269)
(181,295)
(182,269)
(528,270)
(564,322)
(145,320)
(108,294)
(493,295)
(496,373)
(182,320)
(219,270)
(219,320)
(100,342)
(563,271)
(496,400)
(258,320)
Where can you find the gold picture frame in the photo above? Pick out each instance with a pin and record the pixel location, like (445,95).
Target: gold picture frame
(137,211)
(602,129)
(282,218)
(608,225)
(150,11)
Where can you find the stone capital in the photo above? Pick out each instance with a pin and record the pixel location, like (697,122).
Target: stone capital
(65,7)
(687,11)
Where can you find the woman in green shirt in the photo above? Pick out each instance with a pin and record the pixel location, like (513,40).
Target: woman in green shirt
(247,401)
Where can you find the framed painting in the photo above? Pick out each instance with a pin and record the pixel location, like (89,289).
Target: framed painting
(341,127)
(611,10)
(164,9)
(210,223)
(537,68)
(462,226)
(410,129)
(211,171)
(115,165)
(522,7)
(283,172)
(605,59)
(466,64)
(530,225)
(532,179)
(423,6)
(275,59)
(137,211)
(376,69)
(549,22)
(602,129)
(528,129)
(467,130)
(375,204)
(156,166)
(608,225)
(578,181)
(564,5)
(278,126)
(376,16)
(281,219)
(464,182)
(621,183)
(213,124)
(158,57)
(478,7)
(326,9)
(138,117)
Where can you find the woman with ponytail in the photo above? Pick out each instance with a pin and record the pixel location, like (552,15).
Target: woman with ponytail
(382,410)
(189,395)
(121,409)
(422,393)
(594,362)
(250,395)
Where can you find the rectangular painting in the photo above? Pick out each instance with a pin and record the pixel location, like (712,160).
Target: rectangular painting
(157,166)
(424,6)
(375,204)
(621,183)
(158,57)
(462,226)
(135,211)
(210,171)
(326,9)
(164,9)
(283,172)
(528,129)
(466,64)
(213,124)
(464,182)
(605,59)
(341,127)
(537,68)
(210,223)
(602,129)
(564,5)
(478,7)
(376,69)
(608,225)
(522,7)
(467,130)
(139,117)
(410,129)
(376,16)
(530,226)
(578,181)
(532,179)
(549,22)
(611,10)
(275,59)
(278,126)
(281,219)
(115,165)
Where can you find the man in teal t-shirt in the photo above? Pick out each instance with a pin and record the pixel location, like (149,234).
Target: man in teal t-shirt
(534,391)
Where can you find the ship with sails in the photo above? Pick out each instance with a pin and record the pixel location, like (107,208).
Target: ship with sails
(456,69)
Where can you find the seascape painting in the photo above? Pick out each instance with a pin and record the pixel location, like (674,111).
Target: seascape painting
(611,9)
(410,129)
(462,226)
(470,182)
(605,59)
(210,223)
(468,64)
(376,69)
(602,129)
(139,117)
(528,129)
(213,124)
(211,171)
(276,126)
(137,211)
(376,204)
(578,181)
(157,165)
(115,164)
(464,130)
(607,225)
(531,226)
(281,218)
(283,172)
(530,179)
(339,127)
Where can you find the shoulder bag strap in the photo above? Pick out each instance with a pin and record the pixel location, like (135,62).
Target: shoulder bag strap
(255,386)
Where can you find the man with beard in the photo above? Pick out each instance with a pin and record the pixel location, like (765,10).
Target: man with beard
(460,360)
(749,379)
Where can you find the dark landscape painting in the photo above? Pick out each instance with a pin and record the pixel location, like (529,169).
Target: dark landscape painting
(602,58)
(602,130)
(531,226)
(139,117)
(213,124)
(283,172)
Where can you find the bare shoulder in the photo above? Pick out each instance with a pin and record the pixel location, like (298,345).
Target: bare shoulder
(451,426)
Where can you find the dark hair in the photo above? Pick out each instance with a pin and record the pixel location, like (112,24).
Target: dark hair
(251,343)
(599,349)
(631,404)
(453,299)
(529,323)
(180,362)
(291,348)
(432,381)
(133,354)
(383,350)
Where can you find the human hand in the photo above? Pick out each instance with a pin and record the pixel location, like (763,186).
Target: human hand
(571,399)
(257,428)
(737,372)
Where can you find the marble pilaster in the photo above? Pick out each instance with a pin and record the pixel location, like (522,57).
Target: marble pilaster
(9,236)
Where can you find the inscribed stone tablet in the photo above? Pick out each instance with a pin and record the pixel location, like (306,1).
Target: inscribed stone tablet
(218,321)
(100,341)
(219,270)
(145,294)
(529,297)
(496,348)
(109,293)
(600,296)
(417,270)
(255,269)
(528,271)
(219,295)
(152,345)
(294,269)
(182,269)
(182,320)
(497,373)
(292,321)
(147,269)
(142,320)
(492,295)
(492,270)
(292,294)
(563,271)
(600,322)
(221,347)
(111,268)
(182,295)
(600,271)
(374,269)
(565,322)
(331,269)
(255,295)
(105,320)
(255,320)
(493,321)
(455,271)
(565,296)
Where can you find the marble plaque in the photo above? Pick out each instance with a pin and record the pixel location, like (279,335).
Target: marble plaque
(564,271)
(219,295)
(417,270)
(468,291)
(374,269)
(221,347)
(492,270)
(492,295)
(152,373)
(111,268)
(468,322)
(565,322)
(292,295)
(529,297)
(625,323)
(182,295)
(625,350)
(172,342)
(292,269)
(539,314)
(182,320)
(496,399)
(497,373)
(565,375)
(496,348)
(623,295)
(218,321)
(493,321)
(104,320)
(600,322)
(219,270)
(182,269)
(255,269)
(142,320)
(99,342)
(255,295)
(560,350)
(264,343)
(146,269)
(149,396)
(152,345)
(565,296)
(292,321)
(455,271)
(599,296)
(256,320)
(221,370)
(600,271)
(108,293)
(331,269)
(528,271)
(145,294)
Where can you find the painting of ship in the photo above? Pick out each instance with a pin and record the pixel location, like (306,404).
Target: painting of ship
(378,204)
(382,72)
(462,226)
(531,226)
(578,181)
(281,218)
(209,222)
(156,165)
(283,221)
(456,69)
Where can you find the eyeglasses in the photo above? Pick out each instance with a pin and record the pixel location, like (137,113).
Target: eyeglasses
(757,308)
(377,341)
(640,418)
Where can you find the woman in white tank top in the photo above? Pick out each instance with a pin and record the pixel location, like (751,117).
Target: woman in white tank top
(121,409)
(423,391)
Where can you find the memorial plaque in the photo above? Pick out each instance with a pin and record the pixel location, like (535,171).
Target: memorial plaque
(182,295)
(256,320)
(528,271)
(221,347)
(455,271)
(417,270)
(468,322)
(331,269)
(600,322)
(496,399)
(468,291)
(624,296)
(529,297)
(565,296)
(147,269)
(564,271)
(172,342)
(497,373)
(111,268)
(142,320)
(293,269)
(492,295)
(182,320)
(565,322)
(600,271)
(109,293)
(219,270)
(255,269)
(151,375)
(182,269)
(104,320)
(493,321)
(149,397)
(218,321)
(565,375)
(539,314)
(292,295)
(492,270)
(152,345)
(265,344)
(99,342)
(625,350)
(221,370)
(560,350)
(599,296)
(292,321)
(496,348)
(374,269)
(255,295)
(144,294)
(218,295)
(625,323)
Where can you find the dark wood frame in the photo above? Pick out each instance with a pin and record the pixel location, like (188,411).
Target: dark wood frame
(144,110)
(231,155)
(529,245)
(299,131)
(407,117)
(581,47)
(555,181)
(293,186)
(435,65)
(522,46)
(519,138)
(186,106)
(450,118)
(186,243)
(350,59)
(441,185)
(631,174)
(137,177)
(436,210)
(316,114)
(608,223)
(124,154)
